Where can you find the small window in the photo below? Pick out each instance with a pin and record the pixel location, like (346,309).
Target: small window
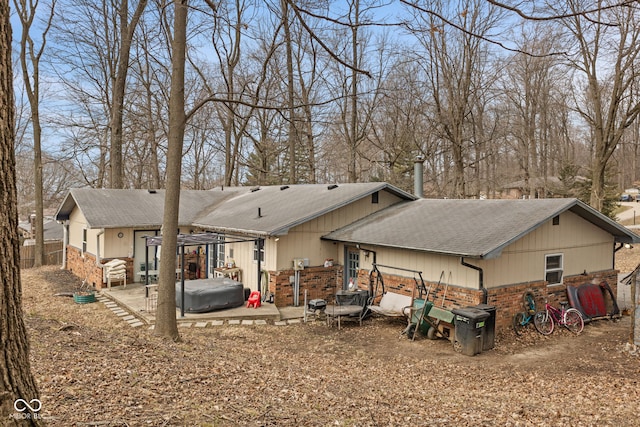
(374,198)
(84,240)
(556,220)
(553,269)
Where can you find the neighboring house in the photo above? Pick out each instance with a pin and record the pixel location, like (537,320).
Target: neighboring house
(549,187)
(316,237)
(53,245)
(491,251)
(52,230)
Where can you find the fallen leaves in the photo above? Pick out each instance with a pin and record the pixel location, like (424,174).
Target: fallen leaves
(92,369)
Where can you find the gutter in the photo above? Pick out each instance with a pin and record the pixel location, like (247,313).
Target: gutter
(480,278)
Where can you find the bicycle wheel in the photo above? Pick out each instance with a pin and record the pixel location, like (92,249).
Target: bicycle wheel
(573,321)
(543,322)
(519,323)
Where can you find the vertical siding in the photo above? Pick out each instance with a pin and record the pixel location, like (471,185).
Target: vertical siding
(116,247)
(584,246)
(303,241)
(432,266)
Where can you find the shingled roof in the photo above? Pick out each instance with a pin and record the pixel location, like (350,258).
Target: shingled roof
(273,210)
(468,228)
(112,208)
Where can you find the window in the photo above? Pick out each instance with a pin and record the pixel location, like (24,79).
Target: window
(556,220)
(374,198)
(553,269)
(84,240)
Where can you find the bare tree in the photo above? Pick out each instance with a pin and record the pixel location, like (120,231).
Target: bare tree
(30,57)
(127,30)
(456,57)
(607,50)
(529,84)
(166,325)
(16,380)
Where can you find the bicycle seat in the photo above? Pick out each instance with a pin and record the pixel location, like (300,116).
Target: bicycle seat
(564,303)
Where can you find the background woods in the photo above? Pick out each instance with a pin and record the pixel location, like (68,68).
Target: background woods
(355,90)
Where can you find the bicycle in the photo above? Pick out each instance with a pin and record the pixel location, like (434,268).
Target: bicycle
(570,318)
(522,319)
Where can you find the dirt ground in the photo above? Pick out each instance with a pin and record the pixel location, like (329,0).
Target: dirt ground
(94,370)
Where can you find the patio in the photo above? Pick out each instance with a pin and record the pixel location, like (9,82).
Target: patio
(132,299)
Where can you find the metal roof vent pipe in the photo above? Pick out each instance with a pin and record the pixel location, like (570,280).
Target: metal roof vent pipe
(418,177)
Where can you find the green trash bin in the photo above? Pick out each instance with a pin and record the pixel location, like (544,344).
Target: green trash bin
(489,330)
(469,324)
(417,312)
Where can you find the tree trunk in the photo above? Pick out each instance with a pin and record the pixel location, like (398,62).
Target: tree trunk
(31,79)
(126,35)
(166,325)
(292,136)
(16,381)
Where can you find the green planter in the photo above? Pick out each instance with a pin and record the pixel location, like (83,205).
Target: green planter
(84,298)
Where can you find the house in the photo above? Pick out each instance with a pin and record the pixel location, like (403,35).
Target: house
(274,224)
(490,251)
(52,230)
(294,238)
(102,224)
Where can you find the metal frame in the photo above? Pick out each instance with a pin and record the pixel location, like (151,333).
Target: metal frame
(199,239)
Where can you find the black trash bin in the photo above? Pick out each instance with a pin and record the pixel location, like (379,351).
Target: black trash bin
(469,324)
(489,330)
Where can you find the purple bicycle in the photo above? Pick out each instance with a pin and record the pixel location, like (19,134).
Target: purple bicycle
(570,318)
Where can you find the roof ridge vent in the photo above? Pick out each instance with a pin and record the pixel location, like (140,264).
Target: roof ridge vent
(284,187)
(152,191)
(332,186)
(254,189)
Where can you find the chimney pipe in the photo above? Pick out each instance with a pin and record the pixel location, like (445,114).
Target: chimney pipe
(418,176)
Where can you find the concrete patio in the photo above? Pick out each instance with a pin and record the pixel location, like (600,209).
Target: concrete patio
(132,299)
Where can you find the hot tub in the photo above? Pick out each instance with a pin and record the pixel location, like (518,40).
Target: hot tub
(205,295)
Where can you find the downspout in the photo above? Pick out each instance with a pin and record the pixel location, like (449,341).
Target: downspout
(65,242)
(480,279)
(98,263)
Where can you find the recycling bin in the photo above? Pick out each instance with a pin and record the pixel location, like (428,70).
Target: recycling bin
(469,322)
(489,330)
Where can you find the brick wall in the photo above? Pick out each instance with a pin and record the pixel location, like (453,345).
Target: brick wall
(86,267)
(508,300)
(320,283)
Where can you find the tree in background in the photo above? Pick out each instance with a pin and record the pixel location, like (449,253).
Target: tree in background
(127,30)
(16,380)
(30,64)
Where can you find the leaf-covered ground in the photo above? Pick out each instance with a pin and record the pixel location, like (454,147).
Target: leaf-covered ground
(94,370)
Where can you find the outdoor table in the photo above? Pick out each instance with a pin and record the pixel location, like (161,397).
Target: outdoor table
(338,311)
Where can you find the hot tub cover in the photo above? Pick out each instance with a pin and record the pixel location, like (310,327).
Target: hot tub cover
(205,295)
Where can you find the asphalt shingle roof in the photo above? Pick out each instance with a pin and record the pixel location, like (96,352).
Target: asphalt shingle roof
(111,208)
(470,228)
(273,210)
